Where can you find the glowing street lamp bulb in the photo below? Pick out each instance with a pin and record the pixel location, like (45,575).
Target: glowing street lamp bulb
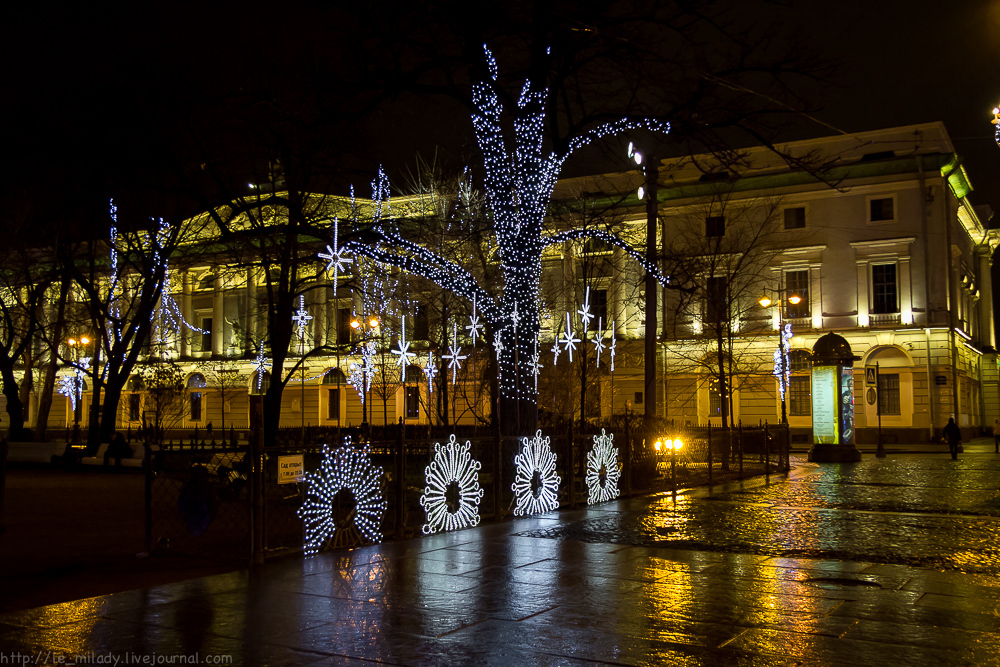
(659,443)
(794,299)
(678,444)
(638,158)
(355,324)
(764,301)
(996,110)
(373,323)
(72,341)
(84,340)
(641,193)
(631,147)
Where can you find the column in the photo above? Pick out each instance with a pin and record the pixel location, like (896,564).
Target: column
(185,332)
(905,292)
(863,320)
(816,295)
(319,316)
(250,315)
(987,335)
(218,314)
(617,278)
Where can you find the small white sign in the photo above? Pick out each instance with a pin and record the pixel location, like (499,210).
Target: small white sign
(290,469)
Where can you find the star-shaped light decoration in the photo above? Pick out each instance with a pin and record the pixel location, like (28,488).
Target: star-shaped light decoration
(498,347)
(453,356)
(585,315)
(555,351)
(536,367)
(475,326)
(598,341)
(611,348)
(569,341)
(336,257)
(301,316)
(258,365)
(403,352)
(431,371)
(514,317)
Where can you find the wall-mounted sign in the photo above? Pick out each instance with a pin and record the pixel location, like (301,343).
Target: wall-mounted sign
(871,396)
(825,405)
(290,469)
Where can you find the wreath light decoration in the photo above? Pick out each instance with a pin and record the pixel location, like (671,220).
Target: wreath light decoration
(536,484)
(452,465)
(602,469)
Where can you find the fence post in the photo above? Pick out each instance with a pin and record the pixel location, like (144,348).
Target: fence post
(147,464)
(400,482)
(257,497)
(497,471)
(627,456)
(710,451)
(673,467)
(741,449)
(571,473)
(767,452)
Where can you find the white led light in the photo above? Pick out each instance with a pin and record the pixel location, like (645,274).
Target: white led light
(782,369)
(569,340)
(403,353)
(452,464)
(602,459)
(347,468)
(536,484)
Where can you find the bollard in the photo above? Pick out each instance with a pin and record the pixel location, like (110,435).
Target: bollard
(767,452)
(627,457)
(673,467)
(497,472)
(709,452)
(571,474)
(147,464)
(741,449)
(400,481)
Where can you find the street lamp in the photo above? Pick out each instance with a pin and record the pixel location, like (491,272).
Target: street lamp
(358,326)
(781,363)
(648,192)
(75,344)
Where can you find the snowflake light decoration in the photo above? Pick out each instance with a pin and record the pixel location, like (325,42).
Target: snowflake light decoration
(602,469)
(451,497)
(585,315)
(430,371)
(350,469)
(475,327)
(569,340)
(598,340)
(536,484)
(71,386)
(301,316)
(258,365)
(361,374)
(336,257)
(536,367)
(453,356)
(403,353)
(611,347)
(555,351)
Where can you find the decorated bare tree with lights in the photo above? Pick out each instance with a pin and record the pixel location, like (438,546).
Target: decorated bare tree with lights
(519,176)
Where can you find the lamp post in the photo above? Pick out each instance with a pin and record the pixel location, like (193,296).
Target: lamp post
(75,344)
(648,192)
(781,369)
(373,324)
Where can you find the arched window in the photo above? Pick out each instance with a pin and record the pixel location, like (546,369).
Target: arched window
(135,383)
(197,381)
(334,376)
(259,383)
(414,373)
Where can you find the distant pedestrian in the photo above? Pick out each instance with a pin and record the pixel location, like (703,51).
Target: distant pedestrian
(996,436)
(954,436)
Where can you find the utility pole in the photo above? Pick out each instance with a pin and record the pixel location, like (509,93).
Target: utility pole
(652,288)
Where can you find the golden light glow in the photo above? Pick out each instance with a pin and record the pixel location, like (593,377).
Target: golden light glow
(72,341)
(678,443)
(794,299)
(84,340)
(764,301)
(373,323)
(355,324)
(659,443)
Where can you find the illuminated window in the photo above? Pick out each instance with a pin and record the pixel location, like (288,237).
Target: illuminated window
(714,398)
(797,284)
(798,360)
(412,402)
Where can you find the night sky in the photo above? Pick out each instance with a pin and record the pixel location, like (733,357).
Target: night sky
(86,90)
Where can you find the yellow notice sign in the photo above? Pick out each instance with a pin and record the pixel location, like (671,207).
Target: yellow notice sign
(290,469)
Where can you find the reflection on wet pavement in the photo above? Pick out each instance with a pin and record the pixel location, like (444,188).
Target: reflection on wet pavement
(821,568)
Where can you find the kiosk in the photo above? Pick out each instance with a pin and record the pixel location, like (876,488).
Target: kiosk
(833,401)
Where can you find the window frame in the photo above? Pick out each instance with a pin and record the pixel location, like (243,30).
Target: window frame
(715,223)
(872,292)
(799,396)
(869,201)
(803,309)
(894,407)
(784,217)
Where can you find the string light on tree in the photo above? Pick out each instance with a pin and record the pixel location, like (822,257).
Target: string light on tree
(536,484)
(346,474)
(782,368)
(603,472)
(519,180)
(451,496)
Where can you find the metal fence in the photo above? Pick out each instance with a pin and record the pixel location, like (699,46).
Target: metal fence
(200,494)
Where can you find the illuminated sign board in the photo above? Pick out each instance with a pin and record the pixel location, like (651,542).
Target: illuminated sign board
(826,430)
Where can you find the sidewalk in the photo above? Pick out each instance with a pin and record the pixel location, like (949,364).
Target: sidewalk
(983,445)
(893,561)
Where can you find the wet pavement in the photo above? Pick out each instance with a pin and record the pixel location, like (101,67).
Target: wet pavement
(882,562)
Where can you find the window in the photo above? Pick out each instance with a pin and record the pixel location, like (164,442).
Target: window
(412,402)
(638,398)
(715,225)
(343,326)
(798,360)
(797,283)
(134,407)
(195,406)
(421,323)
(799,396)
(881,209)
(884,289)
(333,404)
(714,398)
(206,336)
(715,301)
(795,218)
(599,306)
(888,393)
